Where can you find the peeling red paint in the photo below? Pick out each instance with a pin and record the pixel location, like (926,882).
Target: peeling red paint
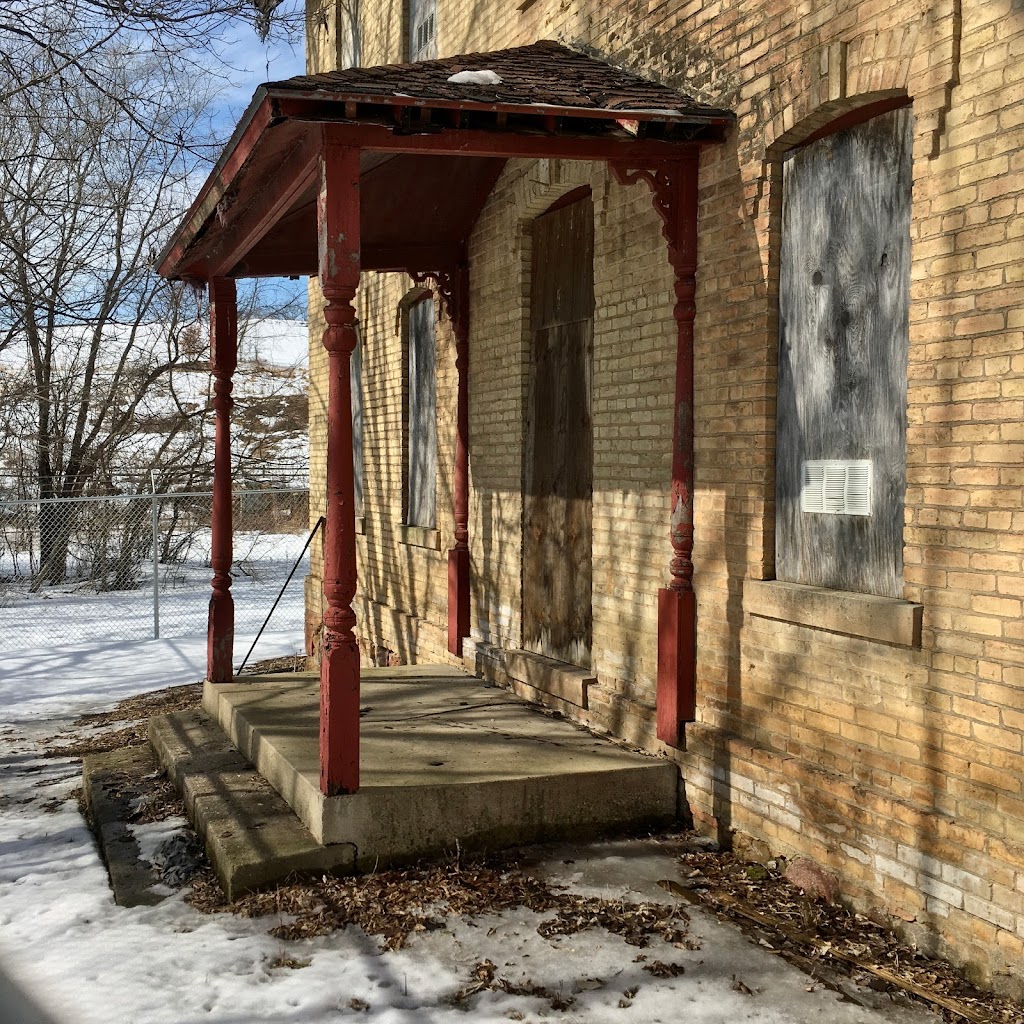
(338,218)
(223,360)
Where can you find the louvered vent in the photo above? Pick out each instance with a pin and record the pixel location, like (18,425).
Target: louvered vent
(836,486)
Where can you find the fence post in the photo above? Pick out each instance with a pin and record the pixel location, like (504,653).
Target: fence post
(156,558)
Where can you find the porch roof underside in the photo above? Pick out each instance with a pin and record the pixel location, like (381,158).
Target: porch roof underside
(430,153)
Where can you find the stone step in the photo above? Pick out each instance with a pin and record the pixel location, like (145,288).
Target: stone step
(558,679)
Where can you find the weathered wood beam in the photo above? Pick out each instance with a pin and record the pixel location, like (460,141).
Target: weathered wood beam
(338,257)
(269,203)
(312,101)
(400,258)
(220,633)
(248,133)
(411,258)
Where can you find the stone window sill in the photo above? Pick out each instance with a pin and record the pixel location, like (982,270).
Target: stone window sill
(360,525)
(882,619)
(420,537)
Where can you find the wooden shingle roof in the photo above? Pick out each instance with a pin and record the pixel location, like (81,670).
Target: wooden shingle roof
(543,74)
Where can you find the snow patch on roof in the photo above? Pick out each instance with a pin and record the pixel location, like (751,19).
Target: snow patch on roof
(475,78)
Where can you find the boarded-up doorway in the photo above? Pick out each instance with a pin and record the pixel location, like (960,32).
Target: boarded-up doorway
(559,450)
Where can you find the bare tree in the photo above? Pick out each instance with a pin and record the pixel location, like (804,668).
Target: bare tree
(88,196)
(101,146)
(41,40)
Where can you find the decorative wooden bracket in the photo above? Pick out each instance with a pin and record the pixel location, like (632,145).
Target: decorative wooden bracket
(673,187)
(443,282)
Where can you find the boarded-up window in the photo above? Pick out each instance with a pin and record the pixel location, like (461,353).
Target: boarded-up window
(422,29)
(355,367)
(421,422)
(843,336)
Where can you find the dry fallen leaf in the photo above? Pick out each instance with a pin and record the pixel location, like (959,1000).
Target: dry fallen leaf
(662,970)
(738,986)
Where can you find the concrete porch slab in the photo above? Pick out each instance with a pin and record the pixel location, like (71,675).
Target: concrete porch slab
(445,760)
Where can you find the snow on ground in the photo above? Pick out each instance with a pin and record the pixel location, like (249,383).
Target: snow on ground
(90,961)
(71,612)
(283,343)
(62,682)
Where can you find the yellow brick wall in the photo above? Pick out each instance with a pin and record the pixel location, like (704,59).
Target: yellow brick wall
(901,770)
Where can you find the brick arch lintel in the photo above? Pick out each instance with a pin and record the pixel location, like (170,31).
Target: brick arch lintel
(546,182)
(917,59)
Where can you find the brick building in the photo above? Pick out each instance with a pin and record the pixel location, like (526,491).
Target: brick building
(858,521)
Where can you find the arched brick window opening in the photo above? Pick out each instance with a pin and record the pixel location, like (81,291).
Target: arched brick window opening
(844,286)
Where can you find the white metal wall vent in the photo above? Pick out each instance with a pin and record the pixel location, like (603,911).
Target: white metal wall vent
(839,487)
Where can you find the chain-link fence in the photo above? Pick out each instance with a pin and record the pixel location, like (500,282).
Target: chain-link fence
(134,567)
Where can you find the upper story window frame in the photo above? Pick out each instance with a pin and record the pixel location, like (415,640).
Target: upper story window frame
(420,29)
(419,401)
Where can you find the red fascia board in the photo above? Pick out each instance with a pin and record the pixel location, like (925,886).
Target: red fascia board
(256,119)
(508,144)
(296,173)
(711,117)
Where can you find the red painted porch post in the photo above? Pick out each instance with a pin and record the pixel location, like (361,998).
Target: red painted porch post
(220,632)
(338,250)
(674,192)
(458,556)
(677,605)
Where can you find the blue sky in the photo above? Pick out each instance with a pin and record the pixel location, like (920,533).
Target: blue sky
(250,62)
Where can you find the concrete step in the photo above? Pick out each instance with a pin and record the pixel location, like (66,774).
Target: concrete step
(446,762)
(529,674)
(252,837)
(103,788)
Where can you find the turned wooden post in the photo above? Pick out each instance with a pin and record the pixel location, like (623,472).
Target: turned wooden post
(674,193)
(338,250)
(220,632)
(458,556)
(677,604)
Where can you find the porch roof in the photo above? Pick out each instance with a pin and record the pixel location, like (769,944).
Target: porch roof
(545,74)
(430,152)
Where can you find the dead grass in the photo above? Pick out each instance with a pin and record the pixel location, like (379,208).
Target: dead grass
(816,934)
(146,705)
(135,710)
(484,978)
(289,962)
(98,743)
(393,905)
(268,666)
(139,709)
